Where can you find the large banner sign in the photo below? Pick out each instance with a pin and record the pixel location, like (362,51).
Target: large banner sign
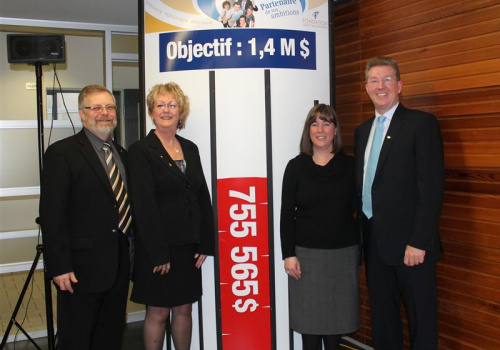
(268,62)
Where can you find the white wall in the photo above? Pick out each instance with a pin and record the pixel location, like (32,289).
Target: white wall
(19,171)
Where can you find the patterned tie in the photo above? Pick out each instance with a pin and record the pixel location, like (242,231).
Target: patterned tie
(371,167)
(118,186)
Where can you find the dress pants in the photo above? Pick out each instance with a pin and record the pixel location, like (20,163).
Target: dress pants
(388,286)
(316,342)
(95,321)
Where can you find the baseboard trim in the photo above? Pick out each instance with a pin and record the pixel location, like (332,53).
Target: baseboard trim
(24,266)
(22,337)
(359,345)
(136,316)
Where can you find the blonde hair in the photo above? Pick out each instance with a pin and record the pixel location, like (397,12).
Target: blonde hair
(181,99)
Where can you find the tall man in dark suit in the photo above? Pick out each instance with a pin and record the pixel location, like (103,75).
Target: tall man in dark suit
(401,192)
(85,222)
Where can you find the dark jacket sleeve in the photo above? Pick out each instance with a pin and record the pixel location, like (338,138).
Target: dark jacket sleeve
(207,239)
(288,207)
(430,184)
(54,203)
(146,218)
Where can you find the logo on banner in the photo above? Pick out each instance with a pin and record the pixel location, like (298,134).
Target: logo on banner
(205,14)
(270,8)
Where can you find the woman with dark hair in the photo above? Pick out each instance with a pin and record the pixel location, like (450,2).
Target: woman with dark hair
(319,238)
(173,220)
(242,22)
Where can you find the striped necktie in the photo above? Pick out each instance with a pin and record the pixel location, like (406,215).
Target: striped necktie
(118,186)
(371,166)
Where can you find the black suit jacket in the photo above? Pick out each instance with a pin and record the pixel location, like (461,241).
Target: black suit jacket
(407,191)
(78,215)
(169,208)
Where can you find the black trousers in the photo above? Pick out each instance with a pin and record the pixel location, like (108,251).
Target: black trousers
(316,342)
(95,321)
(388,285)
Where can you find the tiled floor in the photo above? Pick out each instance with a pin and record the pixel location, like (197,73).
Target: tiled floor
(31,314)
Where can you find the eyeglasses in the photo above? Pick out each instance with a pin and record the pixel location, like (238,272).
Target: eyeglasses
(385,81)
(169,106)
(97,108)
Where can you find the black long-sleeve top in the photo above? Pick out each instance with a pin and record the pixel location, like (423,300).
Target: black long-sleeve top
(318,204)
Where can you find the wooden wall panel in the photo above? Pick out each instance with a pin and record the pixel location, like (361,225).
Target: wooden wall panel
(449,57)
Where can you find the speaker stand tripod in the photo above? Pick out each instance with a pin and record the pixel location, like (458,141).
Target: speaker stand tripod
(39,248)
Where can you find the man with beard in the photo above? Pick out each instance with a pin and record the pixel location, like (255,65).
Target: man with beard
(85,219)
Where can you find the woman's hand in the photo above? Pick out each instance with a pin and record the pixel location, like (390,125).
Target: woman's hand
(200,259)
(162,269)
(292,267)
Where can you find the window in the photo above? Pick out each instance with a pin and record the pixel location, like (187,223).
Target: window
(60,104)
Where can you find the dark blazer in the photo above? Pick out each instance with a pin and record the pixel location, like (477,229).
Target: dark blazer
(169,208)
(78,215)
(407,190)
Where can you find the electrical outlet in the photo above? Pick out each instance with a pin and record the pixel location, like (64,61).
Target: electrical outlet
(30,86)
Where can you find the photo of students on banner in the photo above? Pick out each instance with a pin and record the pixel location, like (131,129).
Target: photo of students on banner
(232,12)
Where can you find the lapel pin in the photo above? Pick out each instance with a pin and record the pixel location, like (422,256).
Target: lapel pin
(388,137)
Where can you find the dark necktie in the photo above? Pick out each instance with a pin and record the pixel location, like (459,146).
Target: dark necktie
(118,186)
(371,166)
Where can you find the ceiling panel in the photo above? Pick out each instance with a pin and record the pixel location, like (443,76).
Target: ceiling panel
(119,12)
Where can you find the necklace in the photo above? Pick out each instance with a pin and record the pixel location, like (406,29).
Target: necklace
(165,144)
(175,146)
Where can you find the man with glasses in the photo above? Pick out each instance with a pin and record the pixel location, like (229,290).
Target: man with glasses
(400,182)
(85,220)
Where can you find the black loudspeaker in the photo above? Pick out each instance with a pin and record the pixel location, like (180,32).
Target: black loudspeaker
(35,48)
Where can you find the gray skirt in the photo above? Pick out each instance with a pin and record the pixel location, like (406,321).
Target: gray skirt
(325,300)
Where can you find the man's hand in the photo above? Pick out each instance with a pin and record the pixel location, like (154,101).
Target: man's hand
(162,269)
(64,281)
(413,256)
